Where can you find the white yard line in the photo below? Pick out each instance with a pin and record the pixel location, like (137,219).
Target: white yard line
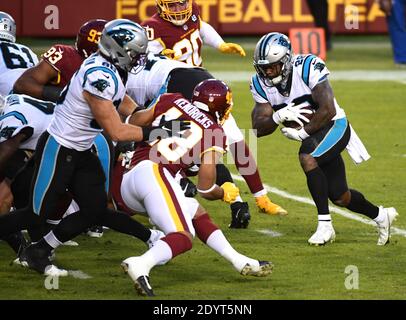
(334,209)
(339,75)
(78,274)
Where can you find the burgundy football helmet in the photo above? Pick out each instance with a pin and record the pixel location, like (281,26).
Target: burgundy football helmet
(215,97)
(88,37)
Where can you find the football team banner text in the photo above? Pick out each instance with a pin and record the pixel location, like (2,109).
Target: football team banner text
(61,18)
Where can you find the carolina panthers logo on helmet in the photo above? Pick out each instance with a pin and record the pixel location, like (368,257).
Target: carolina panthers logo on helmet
(100,84)
(283,42)
(121,36)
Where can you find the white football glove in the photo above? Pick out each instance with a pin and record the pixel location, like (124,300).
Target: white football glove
(294,134)
(292,112)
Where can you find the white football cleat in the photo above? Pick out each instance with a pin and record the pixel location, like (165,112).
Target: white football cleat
(54,271)
(324,233)
(155,236)
(134,267)
(263,269)
(384,227)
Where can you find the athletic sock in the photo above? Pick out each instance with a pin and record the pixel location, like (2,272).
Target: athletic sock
(361,205)
(318,187)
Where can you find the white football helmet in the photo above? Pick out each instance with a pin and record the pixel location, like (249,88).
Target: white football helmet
(125,43)
(7,27)
(273,48)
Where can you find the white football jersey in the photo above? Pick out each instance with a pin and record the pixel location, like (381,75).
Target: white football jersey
(14,60)
(73,125)
(23,111)
(146,85)
(308,71)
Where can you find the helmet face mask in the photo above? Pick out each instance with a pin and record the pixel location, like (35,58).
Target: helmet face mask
(125,43)
(88,37)
(273,48)
(168,11)
(7,27)
(214,97)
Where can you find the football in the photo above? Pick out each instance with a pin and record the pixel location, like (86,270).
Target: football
(295,125)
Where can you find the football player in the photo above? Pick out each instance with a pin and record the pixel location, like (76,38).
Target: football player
(283,82)
(46,80)
(64,160)
(15,58)
(165,75)
(158,162)
(178,32)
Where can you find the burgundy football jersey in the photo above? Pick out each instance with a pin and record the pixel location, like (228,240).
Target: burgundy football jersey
(177,153)
(65,59)
(185,40)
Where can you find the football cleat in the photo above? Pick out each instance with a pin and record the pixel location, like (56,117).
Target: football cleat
(384,227)
(38,260)
(95,232)
(240,215)
(155,236)
(139,275)
(263,269)
(324,233)
(265,205)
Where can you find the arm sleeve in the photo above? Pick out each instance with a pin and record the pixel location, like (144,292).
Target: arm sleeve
(101,82)
(209,35)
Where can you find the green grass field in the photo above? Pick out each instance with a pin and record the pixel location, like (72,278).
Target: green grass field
(376,110)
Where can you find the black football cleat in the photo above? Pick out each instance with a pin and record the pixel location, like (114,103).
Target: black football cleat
(95,232)
(38,260)
(16,241)
(143,287)
(240,215)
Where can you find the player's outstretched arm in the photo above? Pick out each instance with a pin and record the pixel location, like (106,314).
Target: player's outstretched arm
(35,82)
(107,117)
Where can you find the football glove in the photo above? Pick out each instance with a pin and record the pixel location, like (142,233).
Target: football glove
(171,128)
(231,192)
(169,53)
(293,134)
(265,205)
(291,113)
(231,48)
(188,187)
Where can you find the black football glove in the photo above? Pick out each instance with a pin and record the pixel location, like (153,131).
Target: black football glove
(188,187)
(166,129)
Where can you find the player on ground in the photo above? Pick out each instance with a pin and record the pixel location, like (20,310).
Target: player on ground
(162,198)
(15,58)
(282,84)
